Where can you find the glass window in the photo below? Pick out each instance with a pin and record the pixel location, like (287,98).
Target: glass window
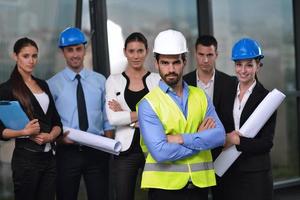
(149,18)
(86,28)
(271,23)
(41,21)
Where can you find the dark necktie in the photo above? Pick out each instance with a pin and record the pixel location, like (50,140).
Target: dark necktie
(82,114)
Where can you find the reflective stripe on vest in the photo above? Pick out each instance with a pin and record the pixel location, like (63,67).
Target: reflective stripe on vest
(166,167)
(197,168)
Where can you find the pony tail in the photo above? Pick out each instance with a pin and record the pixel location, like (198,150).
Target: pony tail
(20,91)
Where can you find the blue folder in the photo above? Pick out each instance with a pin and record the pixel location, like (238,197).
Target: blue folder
(12,115)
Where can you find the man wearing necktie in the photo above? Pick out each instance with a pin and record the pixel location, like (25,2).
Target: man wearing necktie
(81,106)
(79,96)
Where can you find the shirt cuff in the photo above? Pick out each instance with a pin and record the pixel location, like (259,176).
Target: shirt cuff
(187,140)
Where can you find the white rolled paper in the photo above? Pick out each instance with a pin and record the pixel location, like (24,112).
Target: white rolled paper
(250,129)
(94,141)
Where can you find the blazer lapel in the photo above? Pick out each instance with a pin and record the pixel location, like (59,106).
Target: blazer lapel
(38,111)
(229,103)
(217,88)
(253,101)
(190,78)
(195,78)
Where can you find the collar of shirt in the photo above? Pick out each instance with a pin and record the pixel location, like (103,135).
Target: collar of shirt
(209,87)
(210,82)
(71,74)
(180,101)
(94,92)
(239,105)
(249,91)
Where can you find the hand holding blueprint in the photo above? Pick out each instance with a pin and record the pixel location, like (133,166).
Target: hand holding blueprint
(12,115)
(250,129)
(94,141)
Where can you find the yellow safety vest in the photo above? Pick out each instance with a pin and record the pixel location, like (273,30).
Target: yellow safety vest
(176,174)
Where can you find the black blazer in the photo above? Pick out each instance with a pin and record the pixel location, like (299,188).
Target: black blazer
(255,151)
(222,84)
(47,121)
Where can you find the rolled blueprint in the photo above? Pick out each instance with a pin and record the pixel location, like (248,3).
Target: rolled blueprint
(94,141)
(250,129)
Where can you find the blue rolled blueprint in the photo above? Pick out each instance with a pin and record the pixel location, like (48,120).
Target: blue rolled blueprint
(12,115)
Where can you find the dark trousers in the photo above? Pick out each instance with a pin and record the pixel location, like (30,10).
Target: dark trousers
(244,185)
(125,171)
(73,162)
(183,194)
(34,175)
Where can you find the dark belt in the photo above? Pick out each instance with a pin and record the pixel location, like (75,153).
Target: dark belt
(79,147)
(32,150)
(30,153)
(74,147)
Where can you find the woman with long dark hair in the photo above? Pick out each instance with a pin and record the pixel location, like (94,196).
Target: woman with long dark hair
(123,92)
(33,161)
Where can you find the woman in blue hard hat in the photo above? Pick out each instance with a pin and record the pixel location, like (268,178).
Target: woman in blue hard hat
(250,176)
(33,161)
(123,92)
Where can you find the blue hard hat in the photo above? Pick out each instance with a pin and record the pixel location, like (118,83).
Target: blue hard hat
(246,48)
(71,36)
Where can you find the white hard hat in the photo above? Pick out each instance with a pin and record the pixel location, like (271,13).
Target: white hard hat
(170,42)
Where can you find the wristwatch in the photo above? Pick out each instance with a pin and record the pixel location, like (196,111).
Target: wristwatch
(132,125)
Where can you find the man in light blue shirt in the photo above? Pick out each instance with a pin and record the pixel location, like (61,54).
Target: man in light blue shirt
(63,87)
(170,54)
(73,160)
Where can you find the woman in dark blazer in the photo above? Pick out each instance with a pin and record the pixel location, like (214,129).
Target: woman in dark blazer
(33,161)
(250,177)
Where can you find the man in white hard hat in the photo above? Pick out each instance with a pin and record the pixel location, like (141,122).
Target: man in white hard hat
(179,126)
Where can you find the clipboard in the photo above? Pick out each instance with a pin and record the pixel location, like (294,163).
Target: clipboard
(12,115)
